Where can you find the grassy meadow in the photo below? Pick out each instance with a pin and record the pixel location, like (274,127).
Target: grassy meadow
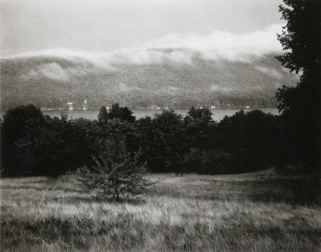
(248,212)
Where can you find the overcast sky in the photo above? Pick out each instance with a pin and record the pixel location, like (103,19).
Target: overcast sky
(109,25)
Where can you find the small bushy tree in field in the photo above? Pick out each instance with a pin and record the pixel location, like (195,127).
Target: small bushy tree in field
(116,173)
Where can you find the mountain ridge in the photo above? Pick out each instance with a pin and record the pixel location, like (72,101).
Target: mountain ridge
(166,77)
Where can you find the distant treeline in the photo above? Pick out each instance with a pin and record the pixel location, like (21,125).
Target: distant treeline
(138,101)
(36,144)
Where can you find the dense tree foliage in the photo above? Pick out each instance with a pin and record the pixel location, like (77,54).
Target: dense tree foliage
(300,105)
(252,137)
(301,36)
(198,115)
(20,127)
(162,141)
(103,116)
(34,144)
(116,111)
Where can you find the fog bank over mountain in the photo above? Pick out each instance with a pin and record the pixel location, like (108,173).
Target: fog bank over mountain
(219,68)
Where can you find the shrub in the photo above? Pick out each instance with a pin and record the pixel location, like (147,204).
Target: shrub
(115,173)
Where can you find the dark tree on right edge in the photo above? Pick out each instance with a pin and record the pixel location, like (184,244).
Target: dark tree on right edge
(300,105)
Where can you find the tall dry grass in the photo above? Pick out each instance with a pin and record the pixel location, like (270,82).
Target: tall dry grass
(192,213)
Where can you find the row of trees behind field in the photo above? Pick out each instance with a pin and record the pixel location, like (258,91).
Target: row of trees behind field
(36,144)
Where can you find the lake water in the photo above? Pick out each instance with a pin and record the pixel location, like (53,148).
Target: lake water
(218,114)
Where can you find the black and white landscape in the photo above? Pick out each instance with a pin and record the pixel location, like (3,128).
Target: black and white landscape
(160,125)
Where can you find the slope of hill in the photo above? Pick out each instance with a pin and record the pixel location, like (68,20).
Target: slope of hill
(165,77)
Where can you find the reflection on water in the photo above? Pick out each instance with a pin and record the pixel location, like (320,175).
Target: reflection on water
(218,114)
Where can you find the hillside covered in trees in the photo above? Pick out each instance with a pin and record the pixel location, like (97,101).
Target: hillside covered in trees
(51,80)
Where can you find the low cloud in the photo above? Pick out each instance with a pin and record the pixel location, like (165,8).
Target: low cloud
(125,88)
(270,72)
(218,45)
(170,89)
(225,45)
(220,89)
(172,49)
(51,71)
(54,71)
